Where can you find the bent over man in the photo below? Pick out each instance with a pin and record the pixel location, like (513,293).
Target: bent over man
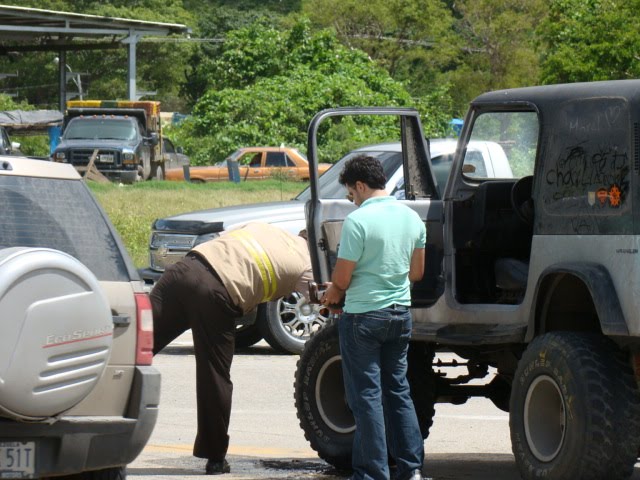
(381,251)
(217,282)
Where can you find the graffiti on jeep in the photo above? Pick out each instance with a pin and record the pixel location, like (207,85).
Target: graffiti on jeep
(580,175)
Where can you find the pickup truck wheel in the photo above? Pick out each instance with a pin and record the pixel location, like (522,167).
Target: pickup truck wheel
(290,321)
(115,473)
(575,409)
(249,334)
(159,172)
(321,403)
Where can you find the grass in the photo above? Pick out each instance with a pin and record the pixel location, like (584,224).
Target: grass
(133,208)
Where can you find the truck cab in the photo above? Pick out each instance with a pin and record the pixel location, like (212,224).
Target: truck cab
(122,139)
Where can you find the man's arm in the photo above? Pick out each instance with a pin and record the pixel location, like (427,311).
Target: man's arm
(416,268)
(340,280)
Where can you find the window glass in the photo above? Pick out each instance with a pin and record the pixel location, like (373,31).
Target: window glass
(587,179)
(256,161)
(290,163)
(168,146)
(101,128)
(59,214)
(502,145)
(6,143)
(276,159)
(328,181)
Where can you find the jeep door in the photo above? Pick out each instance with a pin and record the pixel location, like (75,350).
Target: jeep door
(489,224)
(325,216)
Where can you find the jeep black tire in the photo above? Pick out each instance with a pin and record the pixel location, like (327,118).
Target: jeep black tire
(423,383)
(290,321)
(574,410)
(321,404)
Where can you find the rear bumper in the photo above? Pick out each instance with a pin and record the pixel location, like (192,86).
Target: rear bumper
(78,444)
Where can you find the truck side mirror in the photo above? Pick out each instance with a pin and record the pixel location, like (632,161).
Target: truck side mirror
(153,139)
(179,150)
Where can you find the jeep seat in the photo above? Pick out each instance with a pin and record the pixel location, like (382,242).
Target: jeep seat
(511,274)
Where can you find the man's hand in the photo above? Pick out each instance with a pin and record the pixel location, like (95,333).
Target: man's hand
(333,297)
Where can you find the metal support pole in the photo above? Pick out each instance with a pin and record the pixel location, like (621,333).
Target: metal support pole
(131,84)
(62,80)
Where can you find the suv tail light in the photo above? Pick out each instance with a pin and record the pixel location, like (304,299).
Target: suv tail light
(144,330)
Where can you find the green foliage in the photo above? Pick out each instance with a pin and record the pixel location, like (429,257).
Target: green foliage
(277,80)
(499,47)
(37,146)
(588,40)
(414,40)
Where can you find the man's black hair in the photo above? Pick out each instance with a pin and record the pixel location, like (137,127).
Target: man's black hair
(365,169)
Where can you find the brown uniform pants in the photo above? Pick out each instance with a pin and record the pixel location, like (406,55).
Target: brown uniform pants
(190,295)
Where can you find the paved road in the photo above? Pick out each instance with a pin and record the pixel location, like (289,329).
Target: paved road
(467,442)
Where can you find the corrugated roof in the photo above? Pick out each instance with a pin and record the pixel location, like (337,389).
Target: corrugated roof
(38,29)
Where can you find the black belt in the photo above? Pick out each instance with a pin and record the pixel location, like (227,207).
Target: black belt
(397,306)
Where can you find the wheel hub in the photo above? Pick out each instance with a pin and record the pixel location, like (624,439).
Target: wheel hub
(545,418)
(300,318)
(331,398)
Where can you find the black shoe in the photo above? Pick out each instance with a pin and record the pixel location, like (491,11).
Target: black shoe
(217,468)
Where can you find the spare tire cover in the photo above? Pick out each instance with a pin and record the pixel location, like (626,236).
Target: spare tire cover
(56,332)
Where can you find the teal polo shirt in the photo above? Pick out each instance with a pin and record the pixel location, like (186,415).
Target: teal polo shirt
(380,236)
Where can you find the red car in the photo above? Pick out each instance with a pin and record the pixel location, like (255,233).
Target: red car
(254,163)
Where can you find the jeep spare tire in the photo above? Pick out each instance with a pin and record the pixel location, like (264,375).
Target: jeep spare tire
(57,331)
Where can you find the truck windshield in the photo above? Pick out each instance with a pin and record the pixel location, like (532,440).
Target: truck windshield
(328,182)
(104,128)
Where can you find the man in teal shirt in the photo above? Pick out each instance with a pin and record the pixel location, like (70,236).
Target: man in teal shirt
(381,251)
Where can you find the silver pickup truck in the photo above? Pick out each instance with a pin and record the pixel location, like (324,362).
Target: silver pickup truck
(287,323)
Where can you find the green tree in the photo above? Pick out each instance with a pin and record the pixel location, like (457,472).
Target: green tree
(588,40)
(499,45)
(213,23)
(277,80)
(414,40)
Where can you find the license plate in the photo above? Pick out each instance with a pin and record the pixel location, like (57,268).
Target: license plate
(17,459)
(106,158)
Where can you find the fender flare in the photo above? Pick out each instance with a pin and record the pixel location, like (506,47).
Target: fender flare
(603,292)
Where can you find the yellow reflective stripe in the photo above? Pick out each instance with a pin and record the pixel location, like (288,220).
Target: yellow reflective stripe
(273,281)
(267,272)
(258,261)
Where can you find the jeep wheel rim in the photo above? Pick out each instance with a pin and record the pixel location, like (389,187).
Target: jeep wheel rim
(545,418)
(331,399)
(299,318)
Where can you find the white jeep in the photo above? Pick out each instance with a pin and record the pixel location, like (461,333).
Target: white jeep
(532,278)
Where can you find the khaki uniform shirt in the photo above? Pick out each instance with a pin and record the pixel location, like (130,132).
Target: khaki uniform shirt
(259,263)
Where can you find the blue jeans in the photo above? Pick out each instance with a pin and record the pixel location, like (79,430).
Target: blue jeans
(374,348)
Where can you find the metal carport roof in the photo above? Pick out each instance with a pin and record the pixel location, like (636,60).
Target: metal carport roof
(32,29)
